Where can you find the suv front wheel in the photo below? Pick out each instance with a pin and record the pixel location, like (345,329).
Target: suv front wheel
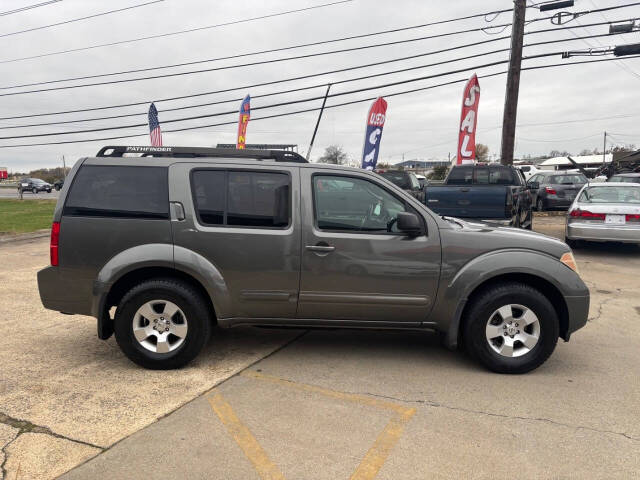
(511,328)
(162,324)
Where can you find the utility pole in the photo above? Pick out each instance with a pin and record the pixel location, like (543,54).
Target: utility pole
(604,149)
(64,168)
(315,130)
(513,83)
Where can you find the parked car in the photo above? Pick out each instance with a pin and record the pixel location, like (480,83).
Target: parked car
(408,181)
(259,237)
(528,170)
(552,190)
(625,178)
(34,185)
(491,193)
(58,184)
(605,212)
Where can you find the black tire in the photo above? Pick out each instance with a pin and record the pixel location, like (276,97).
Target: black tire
(49,190)
(540,205)
(479,312)
(195,308)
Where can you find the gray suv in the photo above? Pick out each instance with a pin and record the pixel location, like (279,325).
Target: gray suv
(181,239)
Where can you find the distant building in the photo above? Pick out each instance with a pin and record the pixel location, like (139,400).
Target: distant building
(423,164)
(585,161)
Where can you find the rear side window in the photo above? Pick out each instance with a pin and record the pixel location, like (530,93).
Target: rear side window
(119,191)
(494,176)
(242,198)
(460,176)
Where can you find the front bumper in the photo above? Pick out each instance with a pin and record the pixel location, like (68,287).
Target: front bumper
(578,313)
(603,232)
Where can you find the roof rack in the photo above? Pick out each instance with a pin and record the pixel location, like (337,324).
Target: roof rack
(200,152)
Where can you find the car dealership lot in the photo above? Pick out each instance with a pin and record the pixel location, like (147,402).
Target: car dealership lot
(326,404)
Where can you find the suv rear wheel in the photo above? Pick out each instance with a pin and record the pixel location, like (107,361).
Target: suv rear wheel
(511,328)
(162,324)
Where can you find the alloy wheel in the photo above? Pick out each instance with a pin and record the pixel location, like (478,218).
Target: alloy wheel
(512,330)
(160,326)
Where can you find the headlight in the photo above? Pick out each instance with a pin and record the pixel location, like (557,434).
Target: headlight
(569,261)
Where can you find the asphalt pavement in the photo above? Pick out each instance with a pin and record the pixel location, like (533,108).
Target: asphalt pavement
(6,192)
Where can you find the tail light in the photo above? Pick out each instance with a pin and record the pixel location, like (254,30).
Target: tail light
(632,217)
(587,214)
(53,246)
(550,190)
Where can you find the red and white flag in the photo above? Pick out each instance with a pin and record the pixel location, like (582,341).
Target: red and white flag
(468,121)
(154,127)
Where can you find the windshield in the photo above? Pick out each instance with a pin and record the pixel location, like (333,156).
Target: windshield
(37,180)
(622,194)
(562,179)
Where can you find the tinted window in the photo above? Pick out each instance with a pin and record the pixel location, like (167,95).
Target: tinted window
(242,198)
(114,191)
(525,169)
(397,178)
(575,178)
(460,176)
(495,176)
(258,199)
(354,204)
(209,191)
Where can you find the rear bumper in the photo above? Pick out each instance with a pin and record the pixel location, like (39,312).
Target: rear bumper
(578,313)
(603,232)
(58,293)
(555,202)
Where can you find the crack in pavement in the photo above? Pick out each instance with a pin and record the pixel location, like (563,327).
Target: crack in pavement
(430,403)
(25,426)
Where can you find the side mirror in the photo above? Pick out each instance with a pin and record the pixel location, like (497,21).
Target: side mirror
(409,223)
(534,185)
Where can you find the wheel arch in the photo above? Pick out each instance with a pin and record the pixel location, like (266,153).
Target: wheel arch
(544,286)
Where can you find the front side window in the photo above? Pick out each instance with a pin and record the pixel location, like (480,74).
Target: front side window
(350,204)
(242,198)
(119,191)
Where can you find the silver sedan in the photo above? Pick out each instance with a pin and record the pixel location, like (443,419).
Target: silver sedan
(605,212)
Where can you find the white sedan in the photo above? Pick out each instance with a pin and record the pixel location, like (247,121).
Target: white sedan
(605,212)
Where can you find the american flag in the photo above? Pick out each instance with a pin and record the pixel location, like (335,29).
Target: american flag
(154,127)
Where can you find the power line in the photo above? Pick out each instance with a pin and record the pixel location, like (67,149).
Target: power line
(335,82)
(260,52)
(281,92)
(292,47)
(79,19)
(102,139)
(28,7)
(297,57)
(150,37)
(293,102)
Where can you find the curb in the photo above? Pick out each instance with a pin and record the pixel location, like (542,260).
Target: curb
(24,236)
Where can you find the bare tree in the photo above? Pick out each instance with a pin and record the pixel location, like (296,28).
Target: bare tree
(482,152)
(333,154)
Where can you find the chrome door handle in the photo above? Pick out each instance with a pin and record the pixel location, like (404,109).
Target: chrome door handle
(320,248)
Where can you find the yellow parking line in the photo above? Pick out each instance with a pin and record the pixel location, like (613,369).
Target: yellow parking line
(351,397)
(247,442)
(378,453)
